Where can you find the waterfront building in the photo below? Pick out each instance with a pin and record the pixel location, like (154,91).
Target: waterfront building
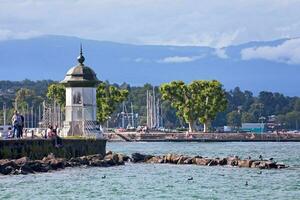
(253,127)
(80,111)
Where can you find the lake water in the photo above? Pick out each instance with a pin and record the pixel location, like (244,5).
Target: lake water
(164,181)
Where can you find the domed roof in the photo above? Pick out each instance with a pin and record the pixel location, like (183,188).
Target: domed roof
(80,75)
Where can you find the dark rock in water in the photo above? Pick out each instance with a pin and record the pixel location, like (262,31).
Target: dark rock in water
(22,161)
(213,162)
(182,160)
(38,166)
(99,163)
(201,161)
(75,161)
(172,158)
(7,170)
(54,163)
(188,161)
(222,161)
(255,164)
(245,163)
(270,165)
(57,164)
(137,157)
(111,159)
(95,156)
(26,169)
(124,157)
(83,160)
(281,166)
(4,163)
(119,158)
(26,166)
(233,161)
(72,164)
(155,159)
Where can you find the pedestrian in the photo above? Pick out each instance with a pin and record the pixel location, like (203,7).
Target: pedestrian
(50,131)
(17,122)
(21,125)
(56,140)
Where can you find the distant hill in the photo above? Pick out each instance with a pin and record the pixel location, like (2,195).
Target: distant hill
(49,57)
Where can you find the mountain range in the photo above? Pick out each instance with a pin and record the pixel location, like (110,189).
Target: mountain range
(255,66)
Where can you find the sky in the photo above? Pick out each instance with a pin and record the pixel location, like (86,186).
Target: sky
(214,23)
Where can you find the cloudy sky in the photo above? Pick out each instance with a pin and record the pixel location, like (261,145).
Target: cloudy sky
(215,23)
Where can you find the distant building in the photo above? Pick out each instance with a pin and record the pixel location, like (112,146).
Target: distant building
(253,127)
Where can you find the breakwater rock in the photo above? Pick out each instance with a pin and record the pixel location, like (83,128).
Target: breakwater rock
(25,165)
(199,160)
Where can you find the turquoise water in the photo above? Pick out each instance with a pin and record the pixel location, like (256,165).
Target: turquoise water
(164,181)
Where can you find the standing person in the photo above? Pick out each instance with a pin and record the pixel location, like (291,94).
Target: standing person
(16,122)
(56,140)
(21,126)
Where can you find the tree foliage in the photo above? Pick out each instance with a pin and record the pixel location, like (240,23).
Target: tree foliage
(57,92)
(26,98)
(252,106)
(108,98)
(234,119)
(199,100)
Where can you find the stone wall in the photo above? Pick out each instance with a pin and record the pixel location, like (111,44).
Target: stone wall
(203,137)
(38,148)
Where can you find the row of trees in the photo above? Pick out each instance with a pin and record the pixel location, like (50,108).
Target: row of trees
(244,107)
(200,102)
(197,101)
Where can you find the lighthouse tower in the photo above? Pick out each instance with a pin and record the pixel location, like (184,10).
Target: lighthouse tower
(81,107)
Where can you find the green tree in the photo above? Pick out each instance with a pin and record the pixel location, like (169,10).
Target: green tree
(200,100)
(297,105)
(234,119)
(57,92)
(108,98)
(26,97)
(293,120)
(247,118)
(215,101)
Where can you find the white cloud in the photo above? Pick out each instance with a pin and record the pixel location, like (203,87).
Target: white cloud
(214,23)
(179,59)
(221,53)
(141,60)
(287,52)
(8,34)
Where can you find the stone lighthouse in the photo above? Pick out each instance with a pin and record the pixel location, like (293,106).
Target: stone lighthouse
(81,82)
